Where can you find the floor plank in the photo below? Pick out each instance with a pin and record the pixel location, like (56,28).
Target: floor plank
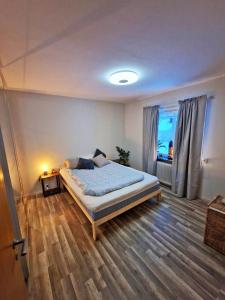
(154,251)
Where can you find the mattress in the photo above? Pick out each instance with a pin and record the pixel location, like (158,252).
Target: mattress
(100,206)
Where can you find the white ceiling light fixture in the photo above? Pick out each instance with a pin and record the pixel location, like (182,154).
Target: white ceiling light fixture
(123,77)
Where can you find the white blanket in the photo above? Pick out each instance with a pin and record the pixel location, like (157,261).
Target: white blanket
(109,178)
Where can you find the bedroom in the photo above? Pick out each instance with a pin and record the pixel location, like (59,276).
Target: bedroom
(142,231)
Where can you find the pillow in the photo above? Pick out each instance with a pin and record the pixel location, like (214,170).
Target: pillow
(85,164)
(100,161)
(71,163)
(98,152)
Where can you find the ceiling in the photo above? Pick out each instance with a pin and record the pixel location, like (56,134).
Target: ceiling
(70,47)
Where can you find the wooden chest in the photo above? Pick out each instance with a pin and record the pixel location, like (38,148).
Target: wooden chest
(215,225)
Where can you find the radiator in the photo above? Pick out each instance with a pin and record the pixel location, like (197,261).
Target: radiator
(164,173)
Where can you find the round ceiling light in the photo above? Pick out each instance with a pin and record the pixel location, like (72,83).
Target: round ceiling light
(123,77)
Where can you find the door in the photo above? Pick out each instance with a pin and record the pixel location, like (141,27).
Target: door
(12,283)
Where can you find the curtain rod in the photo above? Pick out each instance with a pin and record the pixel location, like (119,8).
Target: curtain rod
(175,104)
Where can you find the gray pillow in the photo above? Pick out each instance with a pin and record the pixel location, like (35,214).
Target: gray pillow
(71,163)
(100,161)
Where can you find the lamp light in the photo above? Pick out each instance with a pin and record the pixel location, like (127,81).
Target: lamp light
(123,77)
(45,169)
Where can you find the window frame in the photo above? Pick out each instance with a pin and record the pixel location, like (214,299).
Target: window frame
(161,156)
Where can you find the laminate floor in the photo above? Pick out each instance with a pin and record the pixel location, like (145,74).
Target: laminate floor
(154,251)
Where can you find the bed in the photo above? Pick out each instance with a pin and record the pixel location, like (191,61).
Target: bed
(100,209)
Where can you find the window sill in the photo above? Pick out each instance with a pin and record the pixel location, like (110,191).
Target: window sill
(166,161)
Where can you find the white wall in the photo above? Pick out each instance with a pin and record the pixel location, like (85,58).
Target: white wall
(213,177)
(50,129)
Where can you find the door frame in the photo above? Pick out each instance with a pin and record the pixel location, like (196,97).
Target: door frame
(12,203)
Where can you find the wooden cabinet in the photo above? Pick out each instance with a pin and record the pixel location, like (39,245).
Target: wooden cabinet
(215,225)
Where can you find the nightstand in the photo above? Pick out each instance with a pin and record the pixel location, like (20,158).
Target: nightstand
(46,182)
(119,162)
(215,225)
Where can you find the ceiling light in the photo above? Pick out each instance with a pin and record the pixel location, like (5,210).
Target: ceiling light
(123,77)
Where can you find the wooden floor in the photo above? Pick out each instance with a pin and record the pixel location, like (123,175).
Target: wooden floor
(150,252)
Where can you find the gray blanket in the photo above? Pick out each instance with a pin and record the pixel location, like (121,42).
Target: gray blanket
(109,178)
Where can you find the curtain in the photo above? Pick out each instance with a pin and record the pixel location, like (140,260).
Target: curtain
(150,138)
(186,166)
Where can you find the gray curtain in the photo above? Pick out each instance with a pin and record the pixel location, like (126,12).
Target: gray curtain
(150,138)
(187,147)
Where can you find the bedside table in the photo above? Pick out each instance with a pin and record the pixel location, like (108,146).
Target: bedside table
(45,185)
(118,161)
(215,225)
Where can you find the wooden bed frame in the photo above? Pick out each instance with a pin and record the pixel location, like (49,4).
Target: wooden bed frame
(96,223)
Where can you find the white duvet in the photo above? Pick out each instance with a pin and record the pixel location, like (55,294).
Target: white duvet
(109,178)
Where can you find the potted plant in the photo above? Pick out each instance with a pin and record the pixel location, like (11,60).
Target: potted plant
(123,156)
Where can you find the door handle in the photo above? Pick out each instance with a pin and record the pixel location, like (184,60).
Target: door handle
(23,248)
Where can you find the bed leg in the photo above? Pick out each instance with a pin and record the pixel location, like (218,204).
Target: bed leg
(159,197)
(94,231)
(63,188)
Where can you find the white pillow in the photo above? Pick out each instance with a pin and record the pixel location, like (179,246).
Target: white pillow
(100,161)
(71,163)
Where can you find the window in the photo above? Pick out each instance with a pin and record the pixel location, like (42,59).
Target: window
(166,134)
